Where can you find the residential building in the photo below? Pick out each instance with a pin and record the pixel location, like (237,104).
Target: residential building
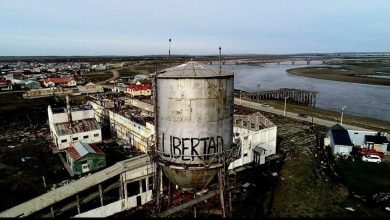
(59,81)
(90,88)
(342,140)
(139,89)
(339,140)
(5,84)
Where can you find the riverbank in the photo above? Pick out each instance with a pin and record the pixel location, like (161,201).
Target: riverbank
(365,71)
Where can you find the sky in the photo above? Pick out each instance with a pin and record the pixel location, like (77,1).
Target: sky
(127,27)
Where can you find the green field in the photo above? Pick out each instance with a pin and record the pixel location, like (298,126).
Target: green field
(365,178)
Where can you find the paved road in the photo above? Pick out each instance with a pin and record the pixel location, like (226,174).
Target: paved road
(327,123)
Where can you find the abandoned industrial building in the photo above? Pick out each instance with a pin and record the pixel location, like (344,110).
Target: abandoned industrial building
(183,139)
(75,131)
(68,126)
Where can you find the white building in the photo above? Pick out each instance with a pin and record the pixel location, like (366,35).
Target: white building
(84,127)
(90,88)
(258,138)
(139,89)
(342,140)
(131,131)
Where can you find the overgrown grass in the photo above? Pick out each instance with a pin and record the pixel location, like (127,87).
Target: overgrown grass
(365,178)
(99,77)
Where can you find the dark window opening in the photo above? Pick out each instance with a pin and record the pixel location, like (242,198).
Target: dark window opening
(150,183)
(133,189)
(143,184)
(138,200)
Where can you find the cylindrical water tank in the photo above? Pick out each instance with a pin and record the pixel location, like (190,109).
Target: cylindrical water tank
(195,122)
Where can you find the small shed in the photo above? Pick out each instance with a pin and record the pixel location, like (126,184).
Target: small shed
(340,141)
(83,158)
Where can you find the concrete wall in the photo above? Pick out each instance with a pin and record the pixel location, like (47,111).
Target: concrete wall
(140,174)
(61,193)
(264,138)
(131,132)
(76,115)
(90,89)
(69,138)
(146,107)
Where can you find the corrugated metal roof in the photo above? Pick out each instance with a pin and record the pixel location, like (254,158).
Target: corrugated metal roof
(59,80)
(77,127)
(80,149)
(72,153)
(193,69)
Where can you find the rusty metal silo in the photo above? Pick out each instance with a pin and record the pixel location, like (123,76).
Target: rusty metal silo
(195,122)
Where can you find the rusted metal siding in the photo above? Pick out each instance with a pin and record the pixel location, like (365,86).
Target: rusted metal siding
(194,108)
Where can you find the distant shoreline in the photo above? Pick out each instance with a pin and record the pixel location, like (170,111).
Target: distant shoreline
(329,74)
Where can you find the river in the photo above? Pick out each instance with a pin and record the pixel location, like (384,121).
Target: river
(362,100)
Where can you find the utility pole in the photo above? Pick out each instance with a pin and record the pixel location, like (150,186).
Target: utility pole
(342,112)
(240,98)
(220,60)
(169,52)
(285,102)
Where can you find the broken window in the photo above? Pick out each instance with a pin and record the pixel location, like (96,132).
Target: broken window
(143,184)
(85,136)
(133,189)
(244,123)
(75,138)
(252,125)
(150,187)
(64,140)
(96,135)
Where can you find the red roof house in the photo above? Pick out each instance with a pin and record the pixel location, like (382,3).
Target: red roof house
(60,81)
(138,89)
(5,84)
